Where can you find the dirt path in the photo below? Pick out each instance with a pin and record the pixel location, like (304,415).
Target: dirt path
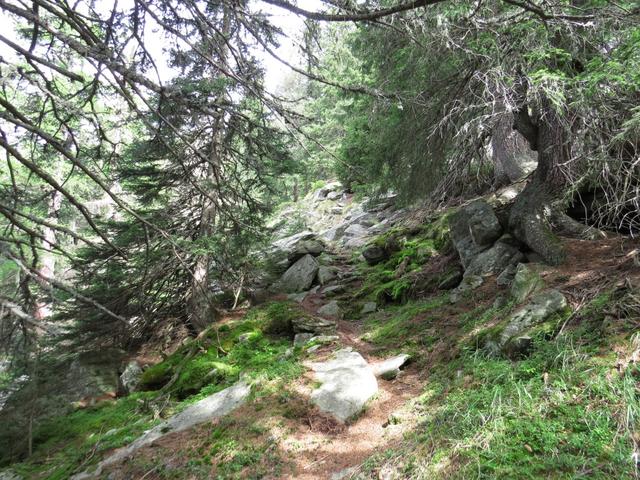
(318,454)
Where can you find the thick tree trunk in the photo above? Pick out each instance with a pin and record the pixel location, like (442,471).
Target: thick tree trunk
(512,156)
(536,210)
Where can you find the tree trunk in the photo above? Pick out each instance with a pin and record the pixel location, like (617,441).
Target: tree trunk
(512,156)
(202,311)
(536,210)
(47,266)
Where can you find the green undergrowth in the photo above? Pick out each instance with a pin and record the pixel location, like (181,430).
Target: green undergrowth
(256,346)
(64,445)
(408,250)
(564,411)
(558,414)
(253,346)
(404,326)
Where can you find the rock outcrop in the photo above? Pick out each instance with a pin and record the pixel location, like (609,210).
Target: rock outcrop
(130,378)
(299,276)
(515,336)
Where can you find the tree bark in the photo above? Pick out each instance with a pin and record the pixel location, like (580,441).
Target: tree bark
(512,156)
(202,311)
(537,208)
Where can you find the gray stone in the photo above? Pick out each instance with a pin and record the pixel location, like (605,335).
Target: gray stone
(326,274)
(526,281)
(299,276)
(374,254)
(287,244)
(301,339)
(313,348)
(130,378)
(542,307)
(297,297)
(311,246)
(347,384)
(355,242)
(209,408)
(494,260)
(484,226)
(315,325)
(368,307)
(474,228)
(324,339)
(331,309)
(390,368)
(333,290)
(334,195)
(506,277)
(469,282)
(323,192)
(356,230)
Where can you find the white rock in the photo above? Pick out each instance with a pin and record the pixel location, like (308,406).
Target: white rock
(348,383)
(209,408)
(390,368)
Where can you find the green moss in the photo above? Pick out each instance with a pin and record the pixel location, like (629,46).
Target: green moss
(275,317)
(403,326)
(410,247)
(203,370)
(156,376)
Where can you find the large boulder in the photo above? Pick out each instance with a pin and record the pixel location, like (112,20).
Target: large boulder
(541,307)
(326,274)
(299,276)
(287,250)
(311,246)
(494,260)
(209,408)
(331,309)
(541,315)
(347,384)
(474,228)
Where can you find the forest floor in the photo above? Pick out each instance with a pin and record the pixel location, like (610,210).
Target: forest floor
(567,410)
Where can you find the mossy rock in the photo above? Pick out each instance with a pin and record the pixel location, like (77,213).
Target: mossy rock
(156,376)
(201,371)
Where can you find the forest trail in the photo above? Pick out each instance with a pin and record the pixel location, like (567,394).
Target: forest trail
(321,448)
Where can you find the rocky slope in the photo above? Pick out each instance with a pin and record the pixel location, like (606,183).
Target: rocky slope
(387,343)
